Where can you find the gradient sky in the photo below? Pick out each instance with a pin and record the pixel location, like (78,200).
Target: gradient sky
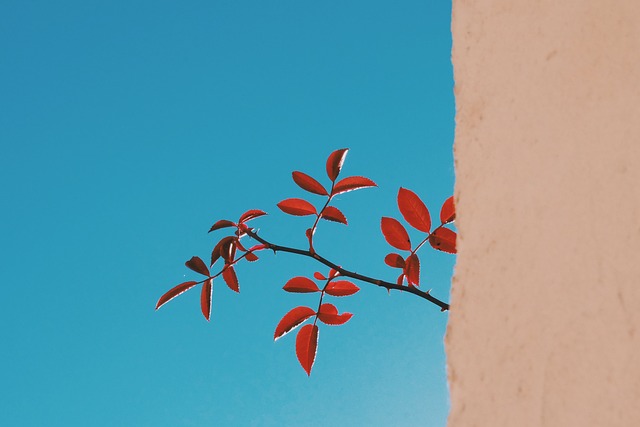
(128,128)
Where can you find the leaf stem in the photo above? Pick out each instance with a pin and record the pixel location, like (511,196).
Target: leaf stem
(320,303)
(318,216)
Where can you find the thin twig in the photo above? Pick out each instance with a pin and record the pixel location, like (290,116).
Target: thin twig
(344,272)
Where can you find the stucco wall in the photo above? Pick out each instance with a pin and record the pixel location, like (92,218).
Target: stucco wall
(545,322)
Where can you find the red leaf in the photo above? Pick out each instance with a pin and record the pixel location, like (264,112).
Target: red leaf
(394,260)
(228,249)
(215,253)
(307,346)
(400,280)
(197,265)
(221,224)
(329,314)
(352,183)
(319,276)
(231,279)
(298,207)
(334,214)
(444,240)
(308,183)
(174,292)
(301,285)
(251,257)
(333,273)
(448,211)
(334,163)
(341,288)
(292,319)
(309,232)
(251,214)
(395,234)
(205,298)
(413,210)
(412,270)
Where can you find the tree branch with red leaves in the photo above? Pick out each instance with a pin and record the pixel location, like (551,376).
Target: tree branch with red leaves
(231,251)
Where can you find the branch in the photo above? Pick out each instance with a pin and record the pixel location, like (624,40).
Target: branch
(344,272)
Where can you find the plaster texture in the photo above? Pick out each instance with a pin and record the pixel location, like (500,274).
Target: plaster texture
(544,326)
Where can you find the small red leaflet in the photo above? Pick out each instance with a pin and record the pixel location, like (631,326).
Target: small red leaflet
(395,234)
(412,270)
(329,314)
(309,232)
(352,183)
(292,319)
(301,285)
(307,346)
(335,162)
(319,276)
(251,214)
(309,183)
(196,264)
(444,240)
(341,288)
(215,253)
(174,292)
(298,207)
(394,260)
(221,224)
(414,210)
(228,249)
(231,279)
(331,213)
(448,211)
(205,298)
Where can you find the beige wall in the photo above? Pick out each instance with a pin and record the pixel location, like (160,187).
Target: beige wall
(545,322)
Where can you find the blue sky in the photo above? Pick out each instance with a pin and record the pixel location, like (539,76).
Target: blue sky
(128,128)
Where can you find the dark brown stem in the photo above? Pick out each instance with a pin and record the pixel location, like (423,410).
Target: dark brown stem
(344,272)
(231,264)
(320,302)
(319,215)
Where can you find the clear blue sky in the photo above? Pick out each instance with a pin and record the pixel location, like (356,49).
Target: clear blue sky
(129,127)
